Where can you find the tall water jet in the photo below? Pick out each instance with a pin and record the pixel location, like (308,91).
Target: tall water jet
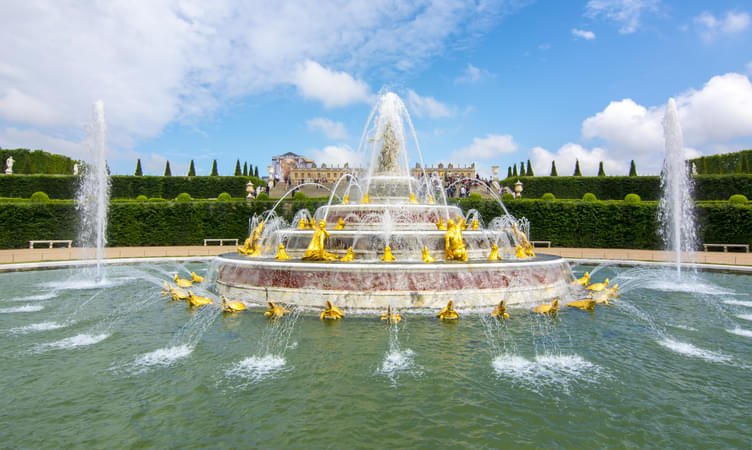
(676,209)
(93,196)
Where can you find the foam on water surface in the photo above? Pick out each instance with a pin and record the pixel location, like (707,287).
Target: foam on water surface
(687,349)
(31,298)
(34,327)
(24,308)
(738,303)
(741,332)
(163,356)
(545,369)
(79,340)
(745,316)
(257,368)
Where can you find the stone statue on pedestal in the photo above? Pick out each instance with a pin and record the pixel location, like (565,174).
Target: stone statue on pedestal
(9,165)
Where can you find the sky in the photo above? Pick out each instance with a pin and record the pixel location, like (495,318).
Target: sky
(484,81)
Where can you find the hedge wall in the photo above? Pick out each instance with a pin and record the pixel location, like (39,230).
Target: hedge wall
(565,223)
(726,163)
(27,162)
(127,186)
(707,187)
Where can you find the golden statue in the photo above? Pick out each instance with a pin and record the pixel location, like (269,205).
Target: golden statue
(440,225)
(340,224)
(196,278)
(524,247)
(302,225)
(529,250)
(252,245)
(388,257)
(430,200)
(315,250)
(500,312)
(182,282)
(174,292)
(331,312)
(232,307)
(366,199)
(475,224)
(519,252)
(426,255)
(448,312)
(281,253)
(349,256)
(584,281)
(494,256)
(195,300)
(391,317)
(275,312)
(585,305)
(311,223)
(346,199)
(412,198)
(461,223)
(453,243)
(547,308)
(593,287)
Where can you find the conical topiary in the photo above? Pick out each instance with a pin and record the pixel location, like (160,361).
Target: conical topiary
(632,169)
(139,172)
(237,168)
(214,171)
(577,172)
(554,173)
(192,170)
(601,172)
(167,171)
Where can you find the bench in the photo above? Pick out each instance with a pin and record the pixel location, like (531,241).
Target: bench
(541,243)
(51,243)
(727,246)
(220,241)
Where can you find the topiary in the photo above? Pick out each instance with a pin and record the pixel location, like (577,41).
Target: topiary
(264,196)
(548,197)
(141,198)
(224,197)
(474,196)
(632,198)
(299,196)
(736,199)
(157,199)
(39,197)
(184,197)
(589,197)
(507,197)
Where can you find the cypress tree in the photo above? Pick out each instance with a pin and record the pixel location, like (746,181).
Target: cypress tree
(255,171)
(192,170)
(632,169)
(214,172)
(577,172)
(237,168)
(554,173)
(522,169)
(509,171)
(139,172)
(245,169)
(514,172)
(167,171)
(601,172)
(250,170)
(529,169)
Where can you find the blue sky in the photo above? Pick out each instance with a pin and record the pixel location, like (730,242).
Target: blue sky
(490,82)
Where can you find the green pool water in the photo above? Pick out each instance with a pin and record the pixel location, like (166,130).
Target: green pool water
(118,365)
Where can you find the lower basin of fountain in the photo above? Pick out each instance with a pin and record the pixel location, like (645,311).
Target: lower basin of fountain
(373,285)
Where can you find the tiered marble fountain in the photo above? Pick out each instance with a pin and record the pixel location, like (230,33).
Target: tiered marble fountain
(372,245)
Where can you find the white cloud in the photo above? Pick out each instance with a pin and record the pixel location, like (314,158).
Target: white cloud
(566,156)
(711,119)
(337,155)
(330,128)
(490,147)
(627,13)
(472,74)
(12,137)
(709,26)
(331,88)
(584,34)
(427,106)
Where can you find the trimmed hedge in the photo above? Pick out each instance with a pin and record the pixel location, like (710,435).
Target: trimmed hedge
(26,161)
(725,163)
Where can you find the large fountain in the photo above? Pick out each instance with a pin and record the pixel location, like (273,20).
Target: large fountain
(387,239)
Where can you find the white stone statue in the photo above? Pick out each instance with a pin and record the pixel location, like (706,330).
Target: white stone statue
(75,169)
(388,157)
(9,165)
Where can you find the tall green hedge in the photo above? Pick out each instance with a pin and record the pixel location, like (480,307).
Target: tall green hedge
(26,161)
(726,163)
(565,223)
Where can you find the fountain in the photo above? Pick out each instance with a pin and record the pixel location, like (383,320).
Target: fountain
(381,252)
(93,196)
(676,208)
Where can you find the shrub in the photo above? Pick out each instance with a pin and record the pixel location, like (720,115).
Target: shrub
(263,197)
(738,199)
(40,197)
(589,197)
(157,200)
(474,196)
(507,197)
(299,196)
(141,198)
(548,197)
(184,197)
(632,198)
(224,197)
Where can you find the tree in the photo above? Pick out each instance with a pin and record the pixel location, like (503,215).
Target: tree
(509,171)
(214,172)
(632,169)
(529,169)
(245,169)
(237,168)
(514,171)
(577,172)
(554,173)
(522,169)
(167,171)
(255,171)
(601,172)
(139,172)
(250,170)
(192,170)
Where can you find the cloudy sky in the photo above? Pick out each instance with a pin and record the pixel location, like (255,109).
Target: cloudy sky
(494,82)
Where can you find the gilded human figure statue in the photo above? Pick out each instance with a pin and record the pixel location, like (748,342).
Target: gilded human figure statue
(252,246)
(453,243)
(389,155)
(315,250)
